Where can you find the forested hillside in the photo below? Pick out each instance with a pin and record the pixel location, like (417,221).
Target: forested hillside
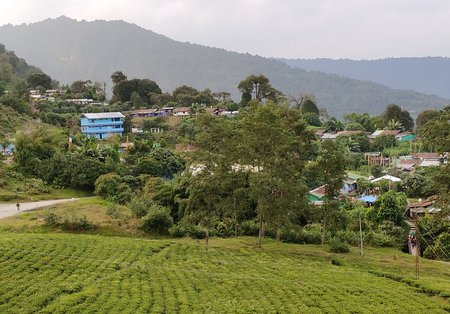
(70,50)
(429,75)
(16,76)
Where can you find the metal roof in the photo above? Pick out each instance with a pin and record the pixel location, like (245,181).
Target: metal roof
(103,115)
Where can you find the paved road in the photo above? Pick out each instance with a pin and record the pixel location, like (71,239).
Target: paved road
(8,210)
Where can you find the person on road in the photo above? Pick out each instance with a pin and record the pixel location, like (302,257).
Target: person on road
(18,206)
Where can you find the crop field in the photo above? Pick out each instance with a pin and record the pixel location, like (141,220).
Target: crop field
(63,273)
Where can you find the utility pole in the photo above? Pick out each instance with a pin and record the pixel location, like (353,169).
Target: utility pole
(360,235)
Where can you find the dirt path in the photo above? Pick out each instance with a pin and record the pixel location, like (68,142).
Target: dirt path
(8,210)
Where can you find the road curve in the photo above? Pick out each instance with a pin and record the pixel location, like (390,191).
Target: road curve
(10,209)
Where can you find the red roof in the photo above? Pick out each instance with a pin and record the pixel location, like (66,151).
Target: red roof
(318,192)
(425,155)
(348,133)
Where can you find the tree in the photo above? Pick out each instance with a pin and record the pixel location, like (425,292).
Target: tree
(384,141)
(312,119)
(332,171)
(394,112)
(354,121)
(39,80)
(441,185)
(124,89)
(414,185)
(257,87)
(308,105)
(354,143)
(205,186)
(273,147)
(426,116)
(389,206)
(436,132)
(117,77)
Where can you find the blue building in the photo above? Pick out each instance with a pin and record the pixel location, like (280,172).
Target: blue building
(102,125)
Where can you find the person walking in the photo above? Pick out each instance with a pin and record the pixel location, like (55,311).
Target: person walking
(18,206)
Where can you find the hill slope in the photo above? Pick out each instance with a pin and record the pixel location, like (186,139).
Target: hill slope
(429,75)
(69,50)
(50,273)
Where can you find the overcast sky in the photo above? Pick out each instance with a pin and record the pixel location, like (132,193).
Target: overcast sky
(356,29)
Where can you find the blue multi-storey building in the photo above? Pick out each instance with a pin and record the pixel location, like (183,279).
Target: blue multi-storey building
(102,125)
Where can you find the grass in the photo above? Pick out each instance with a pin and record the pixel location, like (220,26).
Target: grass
(64,273)
(8,196)
(93,208)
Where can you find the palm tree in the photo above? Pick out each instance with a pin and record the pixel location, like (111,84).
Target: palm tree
(394,125)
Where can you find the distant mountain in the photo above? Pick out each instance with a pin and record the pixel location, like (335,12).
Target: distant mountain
(69,50)
(429,75)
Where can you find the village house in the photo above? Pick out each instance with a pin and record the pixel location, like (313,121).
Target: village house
(141,113)
(378,133)
(181,111)
(350,184)
(317,196)
(102,125)
(377,159)
(422,207)
(405,137)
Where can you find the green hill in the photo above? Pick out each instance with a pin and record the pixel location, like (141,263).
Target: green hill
(11,120)
(70,50)
(62,273)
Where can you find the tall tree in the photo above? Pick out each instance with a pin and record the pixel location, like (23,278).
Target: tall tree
(331,165)
(39,80)
(272,148)
(205,186)
(259,88)
(394,112)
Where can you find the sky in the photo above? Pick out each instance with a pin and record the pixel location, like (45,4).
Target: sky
(353,29)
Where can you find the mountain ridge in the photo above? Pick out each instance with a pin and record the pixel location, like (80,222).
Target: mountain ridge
(70,50)
(427,75)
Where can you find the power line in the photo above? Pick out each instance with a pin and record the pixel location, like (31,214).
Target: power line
(446,254)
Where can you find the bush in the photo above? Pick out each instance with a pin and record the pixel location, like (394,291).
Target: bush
(249,228)
(196,232)
(139,207)
(157,219)
(113,211)
(75,223)
(348,236)
(337,246)
(178,231)
(52,220)
(379,239)
(68,223)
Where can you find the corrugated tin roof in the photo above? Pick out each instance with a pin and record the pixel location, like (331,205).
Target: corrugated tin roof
(103,115)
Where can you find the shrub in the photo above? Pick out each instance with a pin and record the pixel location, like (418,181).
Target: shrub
(157,219)
(249,228)
(68,223)
(337,246)
(113,211)
(196,232)
(348,236)
(139,207)
(75,223)
(223,230)
(178,231)
(379,239)
(52,220)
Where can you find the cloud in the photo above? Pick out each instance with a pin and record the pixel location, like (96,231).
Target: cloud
(282,28)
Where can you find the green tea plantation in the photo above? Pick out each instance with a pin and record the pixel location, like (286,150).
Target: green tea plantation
(63,273)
